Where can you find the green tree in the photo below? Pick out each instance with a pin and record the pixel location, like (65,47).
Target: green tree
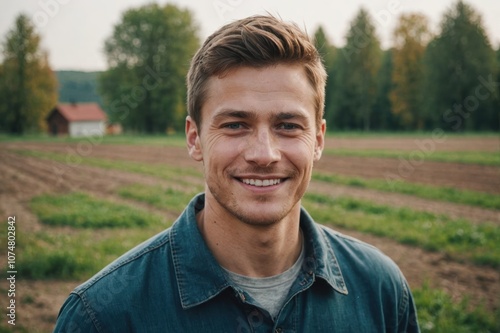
(328,53)
(28,87)
(383,118)
(355,83)
(459,66)
(411,37)
(496,104)
(148,57)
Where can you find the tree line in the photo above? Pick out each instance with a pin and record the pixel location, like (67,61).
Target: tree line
(449,80)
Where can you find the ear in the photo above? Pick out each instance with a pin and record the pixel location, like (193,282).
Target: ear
(320,141)
(193,140)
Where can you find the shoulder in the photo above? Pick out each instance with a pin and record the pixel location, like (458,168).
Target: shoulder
(363,264)
(129,266)
(351,251)
(118,288)
(367,269)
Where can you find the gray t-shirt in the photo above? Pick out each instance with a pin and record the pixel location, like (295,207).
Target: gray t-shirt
(269,292)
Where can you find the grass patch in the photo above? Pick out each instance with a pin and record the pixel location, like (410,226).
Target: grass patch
(466,157)
(62,254)
(157,196)
(449,194)
(82,211)
(55,255)
(459,239)
(438,313)
(177,140)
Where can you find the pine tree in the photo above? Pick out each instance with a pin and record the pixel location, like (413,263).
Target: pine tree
(355,86)
(383,118)
(457,62)
(328,53)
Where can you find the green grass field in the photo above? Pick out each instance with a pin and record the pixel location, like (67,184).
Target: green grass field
(82,211)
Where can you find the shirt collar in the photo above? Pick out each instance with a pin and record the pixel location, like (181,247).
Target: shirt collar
(200,277)
(320,257)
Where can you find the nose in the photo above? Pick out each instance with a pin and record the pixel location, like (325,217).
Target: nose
(262,148)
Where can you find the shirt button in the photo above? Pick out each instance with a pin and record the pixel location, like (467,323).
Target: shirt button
(278,330)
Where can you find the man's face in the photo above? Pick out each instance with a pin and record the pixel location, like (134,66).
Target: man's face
(258,141)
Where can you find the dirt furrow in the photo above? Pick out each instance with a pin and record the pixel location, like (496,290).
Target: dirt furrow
(455,211)
(12,164)
(99,182)
(491,144)
(463,176)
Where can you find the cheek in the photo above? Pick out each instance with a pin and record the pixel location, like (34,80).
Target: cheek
(300,152)
(218,151)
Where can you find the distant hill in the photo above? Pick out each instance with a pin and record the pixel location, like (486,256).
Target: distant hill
(75,86)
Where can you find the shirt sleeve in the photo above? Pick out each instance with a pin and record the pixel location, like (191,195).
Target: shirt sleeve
(74,318)
(408,321)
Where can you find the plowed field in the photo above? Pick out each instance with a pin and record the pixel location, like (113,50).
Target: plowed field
(23,177)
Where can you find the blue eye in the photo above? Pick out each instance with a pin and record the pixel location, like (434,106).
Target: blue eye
(288,126)
(233,126)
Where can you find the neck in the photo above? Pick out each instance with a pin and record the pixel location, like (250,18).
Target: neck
(255,251)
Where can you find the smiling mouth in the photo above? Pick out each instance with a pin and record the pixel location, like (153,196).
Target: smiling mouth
(261,182)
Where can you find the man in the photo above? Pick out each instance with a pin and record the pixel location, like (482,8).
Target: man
(244,256)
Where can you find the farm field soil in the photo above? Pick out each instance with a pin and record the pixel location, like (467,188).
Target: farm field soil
(462,176)
(491,144)
(22,177)
(455,211)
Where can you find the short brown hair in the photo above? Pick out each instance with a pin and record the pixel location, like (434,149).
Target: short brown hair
(256,41)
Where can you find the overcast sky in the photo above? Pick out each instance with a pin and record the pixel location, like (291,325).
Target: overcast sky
(74,31)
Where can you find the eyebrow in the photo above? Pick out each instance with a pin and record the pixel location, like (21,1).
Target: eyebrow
(291,115)
(239,114)
(234,114)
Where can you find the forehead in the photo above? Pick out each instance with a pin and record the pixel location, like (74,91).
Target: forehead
(279,88)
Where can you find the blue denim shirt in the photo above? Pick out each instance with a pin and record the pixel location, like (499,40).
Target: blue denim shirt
(172,283)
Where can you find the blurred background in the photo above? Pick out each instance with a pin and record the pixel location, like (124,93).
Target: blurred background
(392,65)
(93,158)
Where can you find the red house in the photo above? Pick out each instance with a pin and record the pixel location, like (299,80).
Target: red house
(77,120)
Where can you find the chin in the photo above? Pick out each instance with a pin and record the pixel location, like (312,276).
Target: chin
(264,221)
(260,216)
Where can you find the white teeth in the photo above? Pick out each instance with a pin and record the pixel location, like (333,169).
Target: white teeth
(260,182)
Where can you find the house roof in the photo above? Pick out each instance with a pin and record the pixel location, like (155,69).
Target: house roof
(81,112)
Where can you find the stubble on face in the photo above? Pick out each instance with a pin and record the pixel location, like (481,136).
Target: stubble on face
(257,101)
(231,204)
